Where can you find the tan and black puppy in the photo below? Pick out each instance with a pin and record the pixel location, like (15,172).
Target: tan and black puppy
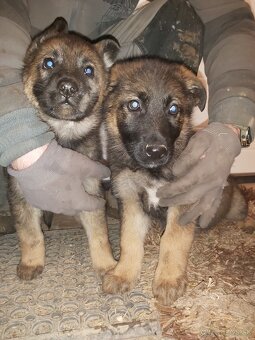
(65,77)
(148,117)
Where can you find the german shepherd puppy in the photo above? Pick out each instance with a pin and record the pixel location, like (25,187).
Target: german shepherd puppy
(61,64)
(148,119)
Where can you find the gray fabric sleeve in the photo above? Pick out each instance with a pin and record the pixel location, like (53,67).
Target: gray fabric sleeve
(20,129)
(229,56)
(22,133)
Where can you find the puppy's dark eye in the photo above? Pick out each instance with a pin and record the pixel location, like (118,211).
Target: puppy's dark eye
(48,63)
(134,105)
(173,109)
(89,71)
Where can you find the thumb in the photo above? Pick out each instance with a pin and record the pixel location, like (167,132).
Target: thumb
(90,168)
(91,202)
(210,214)
(75,163)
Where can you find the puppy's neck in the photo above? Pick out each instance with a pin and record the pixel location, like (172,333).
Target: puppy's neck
(71,130)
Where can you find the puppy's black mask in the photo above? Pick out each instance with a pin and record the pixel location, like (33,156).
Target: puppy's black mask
(67,86)
(152,101)
(65,74)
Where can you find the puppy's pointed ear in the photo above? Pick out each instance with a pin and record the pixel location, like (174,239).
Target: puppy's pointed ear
(199,93)
(108,48)
(195,87)
(58,26)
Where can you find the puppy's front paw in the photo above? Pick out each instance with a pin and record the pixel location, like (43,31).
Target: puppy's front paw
(115,283)
(167,291)
(26,272)
(105,267)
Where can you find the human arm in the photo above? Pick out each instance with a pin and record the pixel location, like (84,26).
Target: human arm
(229,60)
(230,69)
(50,177)
(20,129)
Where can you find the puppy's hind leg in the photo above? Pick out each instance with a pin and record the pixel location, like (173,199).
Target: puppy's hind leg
(239,209)
(94,222)
(170,277)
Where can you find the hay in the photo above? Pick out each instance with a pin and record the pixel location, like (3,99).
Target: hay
(220,299)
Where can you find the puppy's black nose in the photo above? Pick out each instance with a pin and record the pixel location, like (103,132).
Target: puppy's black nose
(156,151)
(67,88)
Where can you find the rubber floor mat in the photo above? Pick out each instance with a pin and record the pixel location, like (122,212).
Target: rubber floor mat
(66,300)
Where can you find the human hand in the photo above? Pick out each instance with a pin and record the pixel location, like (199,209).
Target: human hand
(54,182)
(201,173)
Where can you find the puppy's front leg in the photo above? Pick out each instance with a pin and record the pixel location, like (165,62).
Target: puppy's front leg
(31,240)
(170,277)
(135,224)
(94,222)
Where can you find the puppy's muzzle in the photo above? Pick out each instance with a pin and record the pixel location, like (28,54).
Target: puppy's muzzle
(67,88)
(156,151)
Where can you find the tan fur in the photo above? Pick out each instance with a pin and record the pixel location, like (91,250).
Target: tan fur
(154,84)
(101,254)
(170,277)
(69,51)
(28,226)
(134,227)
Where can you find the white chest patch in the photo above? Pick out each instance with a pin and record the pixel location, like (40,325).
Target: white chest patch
(103,140)
(152,197)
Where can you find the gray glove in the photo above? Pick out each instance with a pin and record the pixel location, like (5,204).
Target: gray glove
(54,182)
(202,171)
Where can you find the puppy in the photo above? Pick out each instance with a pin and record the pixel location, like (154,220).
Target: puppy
(148,119)
(61,65)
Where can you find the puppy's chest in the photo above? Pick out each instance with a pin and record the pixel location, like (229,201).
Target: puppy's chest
(85,146)
(140,185)
(150,202)
(74,137)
